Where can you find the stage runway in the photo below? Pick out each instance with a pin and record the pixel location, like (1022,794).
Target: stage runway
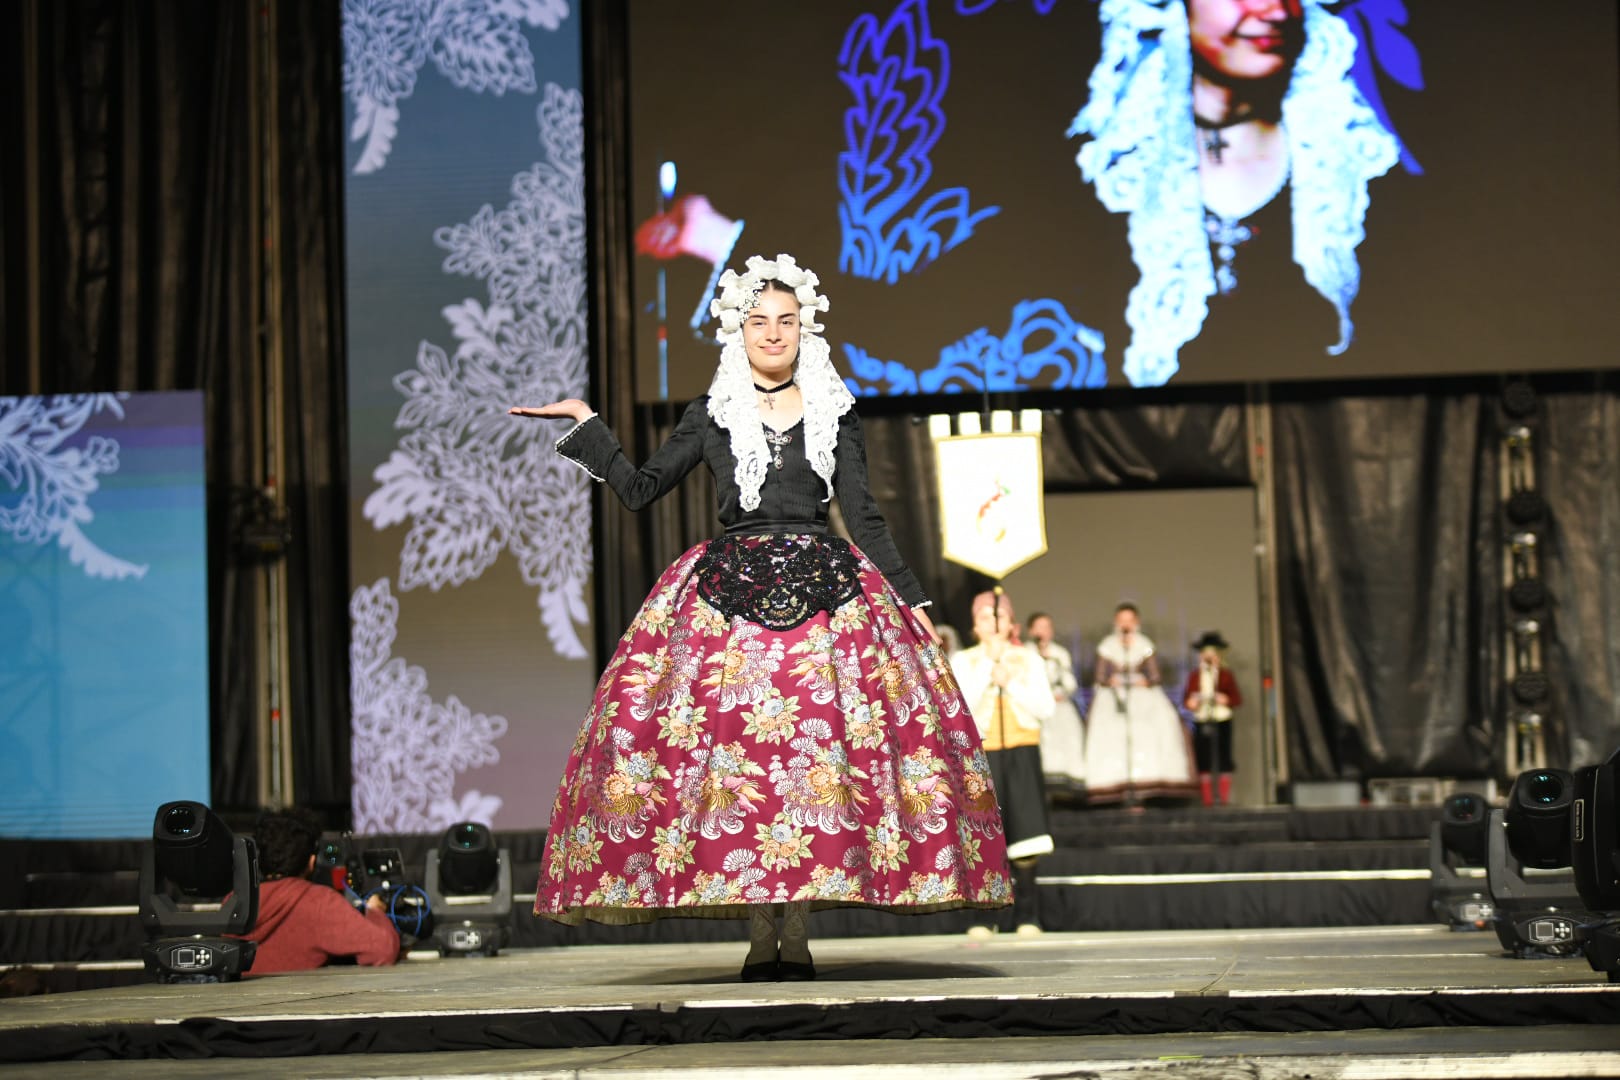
(1339,998)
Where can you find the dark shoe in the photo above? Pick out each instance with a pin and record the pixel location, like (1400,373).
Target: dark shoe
(762,971)
(788,971)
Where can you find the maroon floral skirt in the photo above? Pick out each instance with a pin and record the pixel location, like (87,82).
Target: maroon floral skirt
(774,726)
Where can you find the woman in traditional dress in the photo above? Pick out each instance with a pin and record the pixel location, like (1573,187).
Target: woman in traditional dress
(1063,737)
(778,730)
(1136,744)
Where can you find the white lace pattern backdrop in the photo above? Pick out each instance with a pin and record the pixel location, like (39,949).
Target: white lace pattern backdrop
(471,543)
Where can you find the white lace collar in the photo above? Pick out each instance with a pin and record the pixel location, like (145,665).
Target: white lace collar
(732,405)
(1112,649)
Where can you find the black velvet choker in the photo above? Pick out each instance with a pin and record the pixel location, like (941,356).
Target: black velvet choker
(771,391)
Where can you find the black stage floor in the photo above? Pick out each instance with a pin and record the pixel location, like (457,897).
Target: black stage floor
(1348,1001)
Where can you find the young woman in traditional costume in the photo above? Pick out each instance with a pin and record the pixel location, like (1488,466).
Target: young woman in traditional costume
(778,730)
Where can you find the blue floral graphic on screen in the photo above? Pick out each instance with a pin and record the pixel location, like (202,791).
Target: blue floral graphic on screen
(974,7)
(477,44)
(1043,348)
(898,72)
(1379,28)
(51,476)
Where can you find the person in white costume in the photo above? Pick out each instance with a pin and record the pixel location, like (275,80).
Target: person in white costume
(1063,738)
(1005,687)
(1136,744)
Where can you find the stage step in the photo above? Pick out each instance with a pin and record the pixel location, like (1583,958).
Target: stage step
(1160,868)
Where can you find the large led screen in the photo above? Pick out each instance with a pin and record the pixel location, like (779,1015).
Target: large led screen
(103,612)
(471,539)
(1072,194)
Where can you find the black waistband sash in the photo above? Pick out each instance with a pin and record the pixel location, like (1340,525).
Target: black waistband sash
(778,580)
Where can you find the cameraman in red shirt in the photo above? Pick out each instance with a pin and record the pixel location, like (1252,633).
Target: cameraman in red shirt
(302,924)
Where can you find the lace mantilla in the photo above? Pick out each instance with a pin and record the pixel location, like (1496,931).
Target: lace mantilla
(731,394)
(1112,649)
(1143,159)
(778,581)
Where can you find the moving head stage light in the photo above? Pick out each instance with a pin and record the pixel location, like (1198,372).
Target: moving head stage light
(469,887)
(1536,914)
(1595,840)
(216,875)
(1458,840)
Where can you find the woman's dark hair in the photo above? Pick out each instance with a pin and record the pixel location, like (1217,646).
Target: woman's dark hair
(286,839)
(1030,622)
(1128,606)
(776,285)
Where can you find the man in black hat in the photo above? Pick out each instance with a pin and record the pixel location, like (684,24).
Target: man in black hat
(1211,695)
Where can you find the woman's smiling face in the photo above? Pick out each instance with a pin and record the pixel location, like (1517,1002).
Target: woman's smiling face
(1246,39)
(771,336)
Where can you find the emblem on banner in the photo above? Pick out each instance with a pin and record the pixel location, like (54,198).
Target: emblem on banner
(991,492)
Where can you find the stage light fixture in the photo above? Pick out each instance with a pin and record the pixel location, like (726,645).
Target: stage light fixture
(1527,593)
(1458,840)
(1531,688)
(1519,399)
(469,887)
(1595,834)
(1537,912)
(1462,826)
(1537,818)
(216,876)
(1595,839)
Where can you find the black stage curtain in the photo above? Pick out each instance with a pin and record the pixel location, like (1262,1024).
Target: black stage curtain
(1390,532)
(1389,567)
(133,193)
(1578,434)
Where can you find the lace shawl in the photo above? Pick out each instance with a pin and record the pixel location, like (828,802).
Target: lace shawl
(733,407)
(1112,649)
(1143,160)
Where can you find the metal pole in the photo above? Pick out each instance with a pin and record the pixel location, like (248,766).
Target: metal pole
(275,745)
(1273,699)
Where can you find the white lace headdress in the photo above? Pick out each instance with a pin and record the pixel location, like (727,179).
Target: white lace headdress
(1143,159)
(731,395)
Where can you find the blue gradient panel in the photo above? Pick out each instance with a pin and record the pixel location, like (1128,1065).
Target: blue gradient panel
(103,612)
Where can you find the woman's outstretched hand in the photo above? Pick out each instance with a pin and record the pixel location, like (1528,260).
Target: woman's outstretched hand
(573,408)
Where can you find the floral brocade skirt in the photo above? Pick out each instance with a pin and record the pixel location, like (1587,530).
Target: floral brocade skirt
(774,726)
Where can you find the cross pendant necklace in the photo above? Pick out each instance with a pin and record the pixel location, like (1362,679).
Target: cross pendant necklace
(1211,133)
(770,393)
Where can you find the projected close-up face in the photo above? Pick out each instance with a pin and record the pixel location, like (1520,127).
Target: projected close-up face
(1245,39)
(771,335)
